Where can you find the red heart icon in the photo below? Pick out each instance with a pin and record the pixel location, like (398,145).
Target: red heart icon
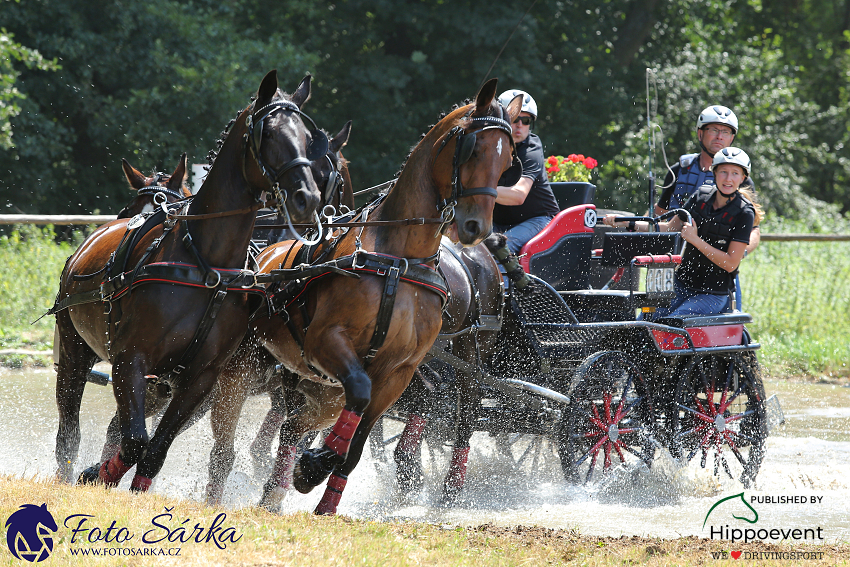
(736,555)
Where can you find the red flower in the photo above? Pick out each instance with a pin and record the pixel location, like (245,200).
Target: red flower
(552,160)
(590,163)
(580,157)
(574,158)
(554,169)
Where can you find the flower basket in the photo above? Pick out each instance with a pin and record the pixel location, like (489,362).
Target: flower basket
(569,178)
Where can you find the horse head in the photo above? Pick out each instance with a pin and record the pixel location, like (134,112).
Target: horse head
(482,151)
(331,172)
(282,148)
(171,187)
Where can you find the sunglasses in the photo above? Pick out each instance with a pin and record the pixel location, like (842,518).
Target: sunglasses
(526,120)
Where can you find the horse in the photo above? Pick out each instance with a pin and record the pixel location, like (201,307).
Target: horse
(370,334)
(471,325)
(171,187)
(182,308)
(330,172)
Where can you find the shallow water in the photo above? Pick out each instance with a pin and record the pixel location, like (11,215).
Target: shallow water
(808,456)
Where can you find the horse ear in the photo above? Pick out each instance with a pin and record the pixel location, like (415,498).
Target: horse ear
(302,93)
(178,178)
(485,96)
(267,90)
(133,175)
(515,107)
(338,142)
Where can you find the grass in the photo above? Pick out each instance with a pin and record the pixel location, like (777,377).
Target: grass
(797,292)
(303,539)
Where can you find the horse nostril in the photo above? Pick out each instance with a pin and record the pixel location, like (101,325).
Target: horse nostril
(300,201)
(472,227)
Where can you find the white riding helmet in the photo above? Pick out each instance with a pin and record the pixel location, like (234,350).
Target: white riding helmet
(735,156)
(718,114)
(528,104)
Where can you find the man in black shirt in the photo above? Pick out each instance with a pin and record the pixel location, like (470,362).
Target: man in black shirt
(524,209)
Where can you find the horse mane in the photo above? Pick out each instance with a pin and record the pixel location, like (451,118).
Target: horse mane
(440,118)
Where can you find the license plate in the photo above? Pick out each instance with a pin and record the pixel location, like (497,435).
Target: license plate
(659,280)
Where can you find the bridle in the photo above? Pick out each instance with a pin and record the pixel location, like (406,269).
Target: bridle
(464,146)
(254,137)
(155,187)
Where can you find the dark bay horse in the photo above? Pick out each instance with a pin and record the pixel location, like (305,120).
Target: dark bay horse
(256,372)
(180,310)
(370,334)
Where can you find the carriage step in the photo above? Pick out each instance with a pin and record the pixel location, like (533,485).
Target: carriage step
(773,412)
(99,378)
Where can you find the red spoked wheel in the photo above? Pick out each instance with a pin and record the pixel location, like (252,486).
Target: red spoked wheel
(610,421)
(720,415)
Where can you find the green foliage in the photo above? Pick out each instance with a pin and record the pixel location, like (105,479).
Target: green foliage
(799,295)
(30,266)
(148,81)
(9,94)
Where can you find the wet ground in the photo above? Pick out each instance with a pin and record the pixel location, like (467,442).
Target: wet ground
(808,457)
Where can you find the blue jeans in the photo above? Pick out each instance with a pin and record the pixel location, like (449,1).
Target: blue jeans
(521,233)
(688,302)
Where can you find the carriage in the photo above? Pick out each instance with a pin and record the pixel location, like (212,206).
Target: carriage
(577,366)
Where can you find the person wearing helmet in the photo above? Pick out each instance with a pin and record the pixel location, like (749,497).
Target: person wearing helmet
(524,209)
(717,127)
(723,217)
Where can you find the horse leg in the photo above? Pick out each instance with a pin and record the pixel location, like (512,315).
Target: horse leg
(185,402)
(156,399)
(339,360)
(407,453)
(261,447)
(75,360)
(129,388)
(468,400)
(229,398)
(319,407)
(386,397)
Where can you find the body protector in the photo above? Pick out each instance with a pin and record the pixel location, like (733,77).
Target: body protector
(698,272)
(690,179)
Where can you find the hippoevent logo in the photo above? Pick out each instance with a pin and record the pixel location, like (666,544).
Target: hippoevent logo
(29,533)
(738,507)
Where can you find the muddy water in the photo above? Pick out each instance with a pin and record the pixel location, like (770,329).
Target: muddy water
(807,457)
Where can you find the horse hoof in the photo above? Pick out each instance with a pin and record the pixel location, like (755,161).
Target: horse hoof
(449,497)
(90,476)
(314,466)
(273,498)
(409,477)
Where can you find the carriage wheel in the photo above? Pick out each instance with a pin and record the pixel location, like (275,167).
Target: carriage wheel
(720,415)
(610,421)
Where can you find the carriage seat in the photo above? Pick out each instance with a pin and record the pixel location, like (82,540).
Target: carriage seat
(724,329)
(560,253)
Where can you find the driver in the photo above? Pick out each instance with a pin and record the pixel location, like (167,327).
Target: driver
(717,127)
(524,209)
(723,218)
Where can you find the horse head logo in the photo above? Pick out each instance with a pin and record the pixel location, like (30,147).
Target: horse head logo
(722,500)
(30,532)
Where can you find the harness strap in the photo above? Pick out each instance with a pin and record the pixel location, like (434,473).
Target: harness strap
(385,310)
(203,330)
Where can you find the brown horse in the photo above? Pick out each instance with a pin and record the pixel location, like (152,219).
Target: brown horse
(370,334)
(179,311)
(171,187)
